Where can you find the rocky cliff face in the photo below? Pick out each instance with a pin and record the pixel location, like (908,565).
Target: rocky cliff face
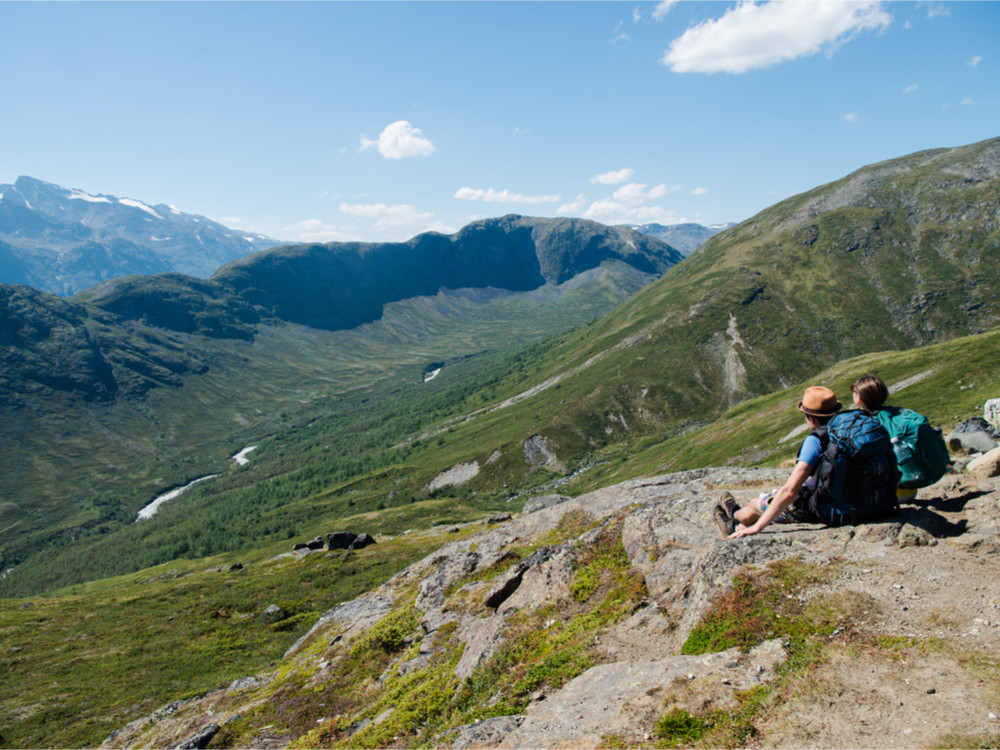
(342,285)
(572,626)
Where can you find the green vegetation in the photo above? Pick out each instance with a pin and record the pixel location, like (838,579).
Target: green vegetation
(392,698)
(899,257)
(82,662)
(759,606)
(678,728)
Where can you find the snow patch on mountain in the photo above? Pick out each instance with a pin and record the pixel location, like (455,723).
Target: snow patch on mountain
(82,196)
(140,205)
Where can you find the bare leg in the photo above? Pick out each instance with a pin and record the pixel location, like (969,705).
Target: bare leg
(749,513)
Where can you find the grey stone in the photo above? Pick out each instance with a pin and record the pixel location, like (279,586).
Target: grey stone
(991,413)
(361,541)
(200,740)
(340,540)
(976,424)
(544,501)
(914,536)
(540,451)
(487,733)
(272,614)
(972,436)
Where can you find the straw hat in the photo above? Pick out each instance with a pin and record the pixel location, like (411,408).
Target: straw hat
(819,401)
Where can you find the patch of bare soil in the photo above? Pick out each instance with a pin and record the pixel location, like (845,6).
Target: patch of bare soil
(923,668)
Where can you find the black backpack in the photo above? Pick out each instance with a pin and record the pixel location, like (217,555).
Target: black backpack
(857,476)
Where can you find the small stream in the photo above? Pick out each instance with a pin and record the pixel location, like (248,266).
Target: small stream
(150,510)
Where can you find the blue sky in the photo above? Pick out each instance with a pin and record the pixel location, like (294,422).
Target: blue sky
(322,121)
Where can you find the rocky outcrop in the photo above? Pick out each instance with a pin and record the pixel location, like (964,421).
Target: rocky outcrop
(929,558)
(973,436)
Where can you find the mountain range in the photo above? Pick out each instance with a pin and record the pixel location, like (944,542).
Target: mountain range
(686,237)
(300,349)
(64,240)
(584,364)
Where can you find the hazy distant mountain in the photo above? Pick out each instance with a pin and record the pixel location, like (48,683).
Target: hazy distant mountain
(62,240)
(684,237)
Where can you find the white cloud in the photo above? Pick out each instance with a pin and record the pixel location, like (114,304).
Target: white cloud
(935,11)
(850,117)
(662,8)
(613,178)
(968,100)
(974,61)
(620,37)
(399,140)
(636,14)
(752,36)
(910,89)
(700,191)
(575,207)
(635,194)
(316,230)
(501,196)
(386,216)
(610,211)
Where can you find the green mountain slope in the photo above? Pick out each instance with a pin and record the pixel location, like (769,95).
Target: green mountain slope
(145,383)
(123,647)
(897,255)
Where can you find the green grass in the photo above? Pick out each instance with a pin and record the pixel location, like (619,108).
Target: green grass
(82,662)
(542,650)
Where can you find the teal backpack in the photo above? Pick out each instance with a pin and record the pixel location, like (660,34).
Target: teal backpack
(921,453)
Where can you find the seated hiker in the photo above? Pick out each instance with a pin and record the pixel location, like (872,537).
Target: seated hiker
(921,453)
(819,405)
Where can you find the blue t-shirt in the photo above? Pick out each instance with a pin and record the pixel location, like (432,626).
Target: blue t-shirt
(810,451)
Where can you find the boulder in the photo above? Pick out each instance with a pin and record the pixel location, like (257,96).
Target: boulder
(973,436)
(316,543)
(544,501)
(361,541)
(272,614)
(977,424)
(986,466)
(340,539)
(200,740)
(991,413)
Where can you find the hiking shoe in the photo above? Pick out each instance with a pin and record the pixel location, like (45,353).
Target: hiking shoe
(729,504)
(725,522)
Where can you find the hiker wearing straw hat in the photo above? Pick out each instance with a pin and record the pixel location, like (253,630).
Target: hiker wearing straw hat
(819,405)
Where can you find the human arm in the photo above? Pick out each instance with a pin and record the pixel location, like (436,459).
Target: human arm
(783,498)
